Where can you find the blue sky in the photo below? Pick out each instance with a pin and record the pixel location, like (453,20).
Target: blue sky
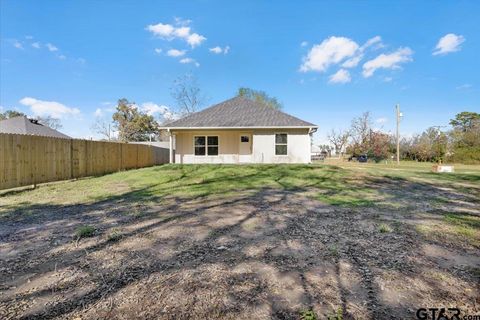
(326,61)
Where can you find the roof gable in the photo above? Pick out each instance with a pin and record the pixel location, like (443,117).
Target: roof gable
(239,112)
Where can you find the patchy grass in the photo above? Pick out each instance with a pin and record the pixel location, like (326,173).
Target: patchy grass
(453,228)
(338,315)
(352,185)
(333,250)
(114,236)
(465,225)
(85,232)
(308,315)
(384,228)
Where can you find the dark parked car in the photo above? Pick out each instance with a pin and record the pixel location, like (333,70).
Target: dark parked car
(360,158)
(363,158)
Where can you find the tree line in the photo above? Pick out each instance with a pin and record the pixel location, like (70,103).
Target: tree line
(460,143)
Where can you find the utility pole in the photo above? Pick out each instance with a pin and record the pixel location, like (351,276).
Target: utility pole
(399,114)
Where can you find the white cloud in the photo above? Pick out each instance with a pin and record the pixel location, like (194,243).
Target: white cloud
(352,62)
(387,61)
(29,37)
(381,120)
(153,109)
(17,44)
(387,79)
(218,50)
(175,53)
(48,108)
(464,86)
(355,60)
(190,60)
(51,47)
(341,76)
(98,113)
(304,44)
(158,50)
(170,32)
(331,51)
(370,42)
(182,32)
(162,30)
(36,45)
(448,43)
(62,57)
(195,39)
(182,22)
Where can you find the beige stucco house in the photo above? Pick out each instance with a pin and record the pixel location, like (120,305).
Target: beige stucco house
(240,130)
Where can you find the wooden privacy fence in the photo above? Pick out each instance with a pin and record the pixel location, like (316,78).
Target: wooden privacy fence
(27,159)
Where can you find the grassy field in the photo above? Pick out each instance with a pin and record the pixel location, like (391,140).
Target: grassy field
(377,224)
(336,183)
(342,183)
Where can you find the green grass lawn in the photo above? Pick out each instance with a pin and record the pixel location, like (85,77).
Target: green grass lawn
(349,184)
(345,184)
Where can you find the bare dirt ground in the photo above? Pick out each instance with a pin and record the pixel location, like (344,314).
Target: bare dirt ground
(272,254)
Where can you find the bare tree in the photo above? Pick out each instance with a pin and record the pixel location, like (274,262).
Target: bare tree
(103,128)
(51,122)
(360,131)
(339,140)
(187,94)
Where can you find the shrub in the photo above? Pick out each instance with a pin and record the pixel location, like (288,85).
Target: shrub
(466,155)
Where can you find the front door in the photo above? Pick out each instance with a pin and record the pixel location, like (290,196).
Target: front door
(245,151)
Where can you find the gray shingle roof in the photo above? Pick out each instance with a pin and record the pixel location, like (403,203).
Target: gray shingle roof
(239,112)
(23,125)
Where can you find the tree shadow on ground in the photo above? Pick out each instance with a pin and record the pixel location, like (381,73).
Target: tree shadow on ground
(264,252)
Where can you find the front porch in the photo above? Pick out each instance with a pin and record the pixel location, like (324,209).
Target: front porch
(211,146)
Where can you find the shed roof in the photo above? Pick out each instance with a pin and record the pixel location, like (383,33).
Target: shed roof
(23,125)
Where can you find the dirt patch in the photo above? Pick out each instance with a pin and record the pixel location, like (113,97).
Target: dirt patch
(272,254)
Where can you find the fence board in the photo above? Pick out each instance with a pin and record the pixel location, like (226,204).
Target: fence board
(27,159)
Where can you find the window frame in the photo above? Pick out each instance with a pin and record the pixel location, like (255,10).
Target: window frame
(246,136)
(280,144)
(206,145)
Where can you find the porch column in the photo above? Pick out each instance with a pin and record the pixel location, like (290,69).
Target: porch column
(171,146)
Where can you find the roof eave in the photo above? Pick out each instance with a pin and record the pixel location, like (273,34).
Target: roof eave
(241,128)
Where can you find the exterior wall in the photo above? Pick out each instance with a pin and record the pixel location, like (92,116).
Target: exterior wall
(298,146)
(228,145)
(263,146)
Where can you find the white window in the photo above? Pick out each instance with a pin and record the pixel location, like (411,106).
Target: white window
(205,145)
(281,144)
